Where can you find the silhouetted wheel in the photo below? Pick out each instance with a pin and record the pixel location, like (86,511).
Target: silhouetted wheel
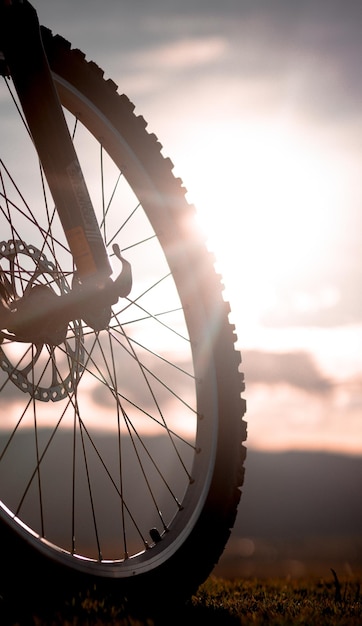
(121,454)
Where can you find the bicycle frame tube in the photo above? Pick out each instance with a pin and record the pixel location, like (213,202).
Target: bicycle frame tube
(29,69)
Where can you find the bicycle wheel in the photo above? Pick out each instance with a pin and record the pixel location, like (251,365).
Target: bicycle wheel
(121,450)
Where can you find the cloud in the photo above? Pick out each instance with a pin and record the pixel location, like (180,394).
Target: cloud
(296,369)
(293,404)
(183,53)
(329,298)
(283,417)
(309,55)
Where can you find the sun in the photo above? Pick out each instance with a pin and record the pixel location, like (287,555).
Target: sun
(268,198)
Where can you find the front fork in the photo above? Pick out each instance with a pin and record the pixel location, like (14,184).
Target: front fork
(30,72)
(28,66)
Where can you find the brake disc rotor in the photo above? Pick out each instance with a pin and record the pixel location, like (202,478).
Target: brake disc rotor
(46,372)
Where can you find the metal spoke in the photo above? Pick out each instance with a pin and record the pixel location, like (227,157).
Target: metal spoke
(59,386)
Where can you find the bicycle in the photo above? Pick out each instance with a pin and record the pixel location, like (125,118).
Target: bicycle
(121,441)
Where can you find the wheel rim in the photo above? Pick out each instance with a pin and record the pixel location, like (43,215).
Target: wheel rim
(113,434)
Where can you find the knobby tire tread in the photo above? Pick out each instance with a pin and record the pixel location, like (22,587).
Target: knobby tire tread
(178,578)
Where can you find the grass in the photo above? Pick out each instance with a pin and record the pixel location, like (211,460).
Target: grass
(282,602)
(251,602)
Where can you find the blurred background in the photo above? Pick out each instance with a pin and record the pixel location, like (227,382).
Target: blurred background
(258,104)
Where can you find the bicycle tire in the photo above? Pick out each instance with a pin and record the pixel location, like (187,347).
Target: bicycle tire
(194,536)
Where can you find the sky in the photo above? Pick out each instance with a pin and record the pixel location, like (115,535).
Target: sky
(258,104)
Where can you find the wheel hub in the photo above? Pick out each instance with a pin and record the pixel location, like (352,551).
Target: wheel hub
(34,330)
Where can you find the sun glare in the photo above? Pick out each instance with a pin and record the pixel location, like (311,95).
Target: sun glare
(268,199)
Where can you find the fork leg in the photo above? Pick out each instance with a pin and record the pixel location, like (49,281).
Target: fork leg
(28,66)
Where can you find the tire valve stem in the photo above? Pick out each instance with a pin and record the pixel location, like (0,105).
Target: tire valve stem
(155,535)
